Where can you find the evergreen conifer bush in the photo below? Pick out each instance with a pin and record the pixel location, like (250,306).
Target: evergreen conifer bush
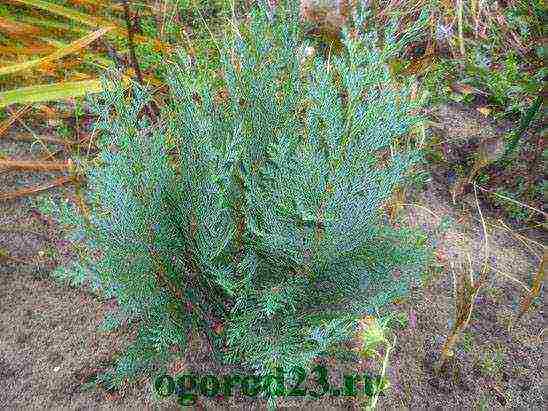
(250,212)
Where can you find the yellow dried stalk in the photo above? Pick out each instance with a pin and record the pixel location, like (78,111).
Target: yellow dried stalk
(535,290)
(465,290)
(25,165)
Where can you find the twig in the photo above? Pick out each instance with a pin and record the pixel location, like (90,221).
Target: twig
(32,190)
(113,54)
(51,155)
(133,56)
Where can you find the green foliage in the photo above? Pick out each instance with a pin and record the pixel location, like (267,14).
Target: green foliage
(467,342)
(190,24)
(492,361)
(262,230)
(373,336)
(504,64)
(375,342)
(514,210)
(507,85)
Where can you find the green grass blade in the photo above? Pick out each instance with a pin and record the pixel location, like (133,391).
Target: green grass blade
(61,52)
(103,62)
(67,13)
(51,24)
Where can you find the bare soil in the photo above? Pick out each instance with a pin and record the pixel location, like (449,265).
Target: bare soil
(50,347)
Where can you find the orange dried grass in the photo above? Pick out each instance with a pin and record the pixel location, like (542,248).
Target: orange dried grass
(26,165)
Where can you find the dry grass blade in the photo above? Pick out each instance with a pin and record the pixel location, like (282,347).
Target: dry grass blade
(24,165)
(33,190)
(509,277)
(49,92)
(5,255)
(535,290)
(62,52)
(514,233)
(18,29)
(82,18)
(465,291)
(67,13)
(6,124)
(48,140)
(51,25)
(483,275)
(512,200)
(103,62)
(422,208)
(28,50)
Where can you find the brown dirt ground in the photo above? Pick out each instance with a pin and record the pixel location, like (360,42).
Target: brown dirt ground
(49,345)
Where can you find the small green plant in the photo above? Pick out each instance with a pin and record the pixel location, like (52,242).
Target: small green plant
(502,63)
(508,86)
(492,362)
(483,403)
(372,335)
(467,342)
(483,178)
(64,130)
(375,343)
(399,319)
(259,227)
(437,79)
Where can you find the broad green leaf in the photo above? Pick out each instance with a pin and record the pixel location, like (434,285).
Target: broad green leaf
(48,92)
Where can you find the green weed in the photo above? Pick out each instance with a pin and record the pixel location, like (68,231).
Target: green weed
(467,342)
(492,362)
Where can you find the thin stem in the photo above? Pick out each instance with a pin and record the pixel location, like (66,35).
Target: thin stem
(133,56)
(151,108)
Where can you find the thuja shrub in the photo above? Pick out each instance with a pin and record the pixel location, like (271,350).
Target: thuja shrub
(250,211)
